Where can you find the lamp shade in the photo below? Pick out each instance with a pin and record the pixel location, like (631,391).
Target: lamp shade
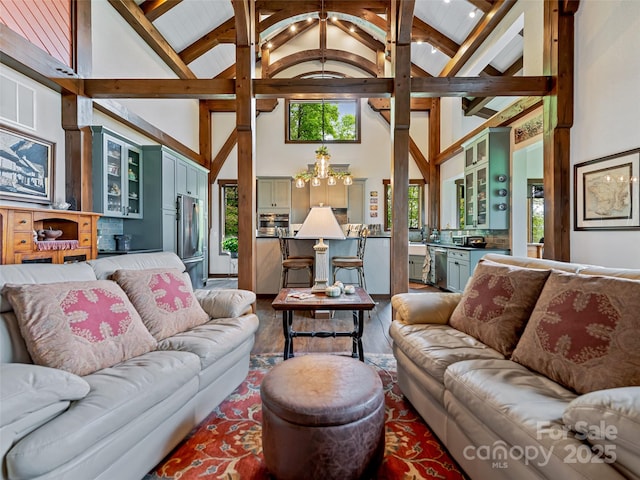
(320,223)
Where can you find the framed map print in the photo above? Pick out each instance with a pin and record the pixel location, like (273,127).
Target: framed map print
(607,192)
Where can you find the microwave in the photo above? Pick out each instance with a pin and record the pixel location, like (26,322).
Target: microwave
(466,240)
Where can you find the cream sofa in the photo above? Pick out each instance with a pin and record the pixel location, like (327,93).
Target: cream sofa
(500,419)
(118,422)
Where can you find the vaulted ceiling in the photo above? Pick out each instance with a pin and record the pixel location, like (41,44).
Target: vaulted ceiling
(196,38)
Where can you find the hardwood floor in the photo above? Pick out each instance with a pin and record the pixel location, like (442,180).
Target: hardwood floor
(269,338)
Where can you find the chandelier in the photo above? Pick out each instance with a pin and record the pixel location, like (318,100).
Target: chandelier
(321,170)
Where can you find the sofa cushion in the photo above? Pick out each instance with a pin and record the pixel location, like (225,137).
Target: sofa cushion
(79,327)
(226,303)
(524,409)
(427,307)
(104,267)
(609,419)
(164,298)
(119,395)
(435,347)
(29,388)
(583,332)
(497,303)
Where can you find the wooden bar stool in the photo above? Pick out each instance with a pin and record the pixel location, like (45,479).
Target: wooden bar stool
(292,262)
(353,263)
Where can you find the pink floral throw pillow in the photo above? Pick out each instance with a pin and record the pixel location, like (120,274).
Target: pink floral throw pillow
(164,298)
(79,327)
(497,302)
(583,332)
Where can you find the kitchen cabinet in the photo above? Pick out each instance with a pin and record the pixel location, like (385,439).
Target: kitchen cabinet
(486,180)
(189,179)
(415,267)
(458,270)
(356,201)
(274,194)
(117,175)
(159,229)
(334,196)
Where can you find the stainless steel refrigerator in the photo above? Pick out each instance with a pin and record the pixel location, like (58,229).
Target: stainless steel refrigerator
(191,231)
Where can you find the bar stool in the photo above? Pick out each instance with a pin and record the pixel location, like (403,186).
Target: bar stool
(353,263)
(292,262)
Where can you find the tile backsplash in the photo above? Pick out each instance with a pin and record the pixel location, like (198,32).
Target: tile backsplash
(107,228)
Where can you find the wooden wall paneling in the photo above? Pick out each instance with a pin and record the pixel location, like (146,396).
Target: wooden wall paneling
(558,56)
(45,24)
(434,169)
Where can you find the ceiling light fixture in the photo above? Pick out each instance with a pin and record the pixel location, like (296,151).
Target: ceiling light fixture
(447,1)
(472,14)
(269,45)
(352,29)
(322,167)
(419,42)
(433,49)
(292,28)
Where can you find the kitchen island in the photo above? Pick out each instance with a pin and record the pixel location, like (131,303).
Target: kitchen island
(376,263)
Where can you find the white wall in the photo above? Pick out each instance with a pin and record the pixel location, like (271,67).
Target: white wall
(48,106)
(606,119)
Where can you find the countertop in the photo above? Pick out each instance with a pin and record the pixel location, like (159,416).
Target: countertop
(460,247)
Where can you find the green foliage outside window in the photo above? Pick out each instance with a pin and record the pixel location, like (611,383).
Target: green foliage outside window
(229,209)
(313,121)
(414,207)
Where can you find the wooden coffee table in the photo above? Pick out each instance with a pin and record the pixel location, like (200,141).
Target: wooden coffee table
(358,303)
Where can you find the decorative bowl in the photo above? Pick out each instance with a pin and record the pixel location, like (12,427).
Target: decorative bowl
(61,205)
(478,244)
(49,234)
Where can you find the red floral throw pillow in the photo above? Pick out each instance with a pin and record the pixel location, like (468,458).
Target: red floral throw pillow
(583,332)
(164,298)
(497,302)
(79,327)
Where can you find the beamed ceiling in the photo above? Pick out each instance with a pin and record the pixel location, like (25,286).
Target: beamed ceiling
(197,40)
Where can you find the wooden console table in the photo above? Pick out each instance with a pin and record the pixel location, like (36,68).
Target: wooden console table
(358,302)
(78,241)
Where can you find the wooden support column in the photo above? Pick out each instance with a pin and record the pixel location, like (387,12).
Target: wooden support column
(434,169)
(558,120)
(77,117)
(400,121)
(204,141)
(245,124)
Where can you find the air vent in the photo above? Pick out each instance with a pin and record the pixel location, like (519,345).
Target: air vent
(17,103)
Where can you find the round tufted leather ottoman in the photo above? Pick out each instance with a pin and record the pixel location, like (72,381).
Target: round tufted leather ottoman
(322,418)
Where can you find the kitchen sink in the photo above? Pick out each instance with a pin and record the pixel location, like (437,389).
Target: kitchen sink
(417,248)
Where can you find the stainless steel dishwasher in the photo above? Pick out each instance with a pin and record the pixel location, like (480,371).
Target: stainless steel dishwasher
(441,267)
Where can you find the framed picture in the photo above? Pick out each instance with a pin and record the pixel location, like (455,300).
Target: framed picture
(26,167)
(607,192)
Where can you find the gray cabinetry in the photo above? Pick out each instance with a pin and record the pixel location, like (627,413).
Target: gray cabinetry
(335,196)
(117,175)
(486,180)
(186,178)
(274,195)
(458,270)
(415,267)
(356,196)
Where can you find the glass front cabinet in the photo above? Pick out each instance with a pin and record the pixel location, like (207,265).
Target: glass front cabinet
(486,180)
(117,175)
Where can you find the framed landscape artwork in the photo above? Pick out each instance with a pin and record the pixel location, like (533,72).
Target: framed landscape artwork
(607,192)
(26,167)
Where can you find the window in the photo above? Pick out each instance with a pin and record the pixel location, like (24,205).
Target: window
(228,210)
(331,121)
(535,198)
(416,196)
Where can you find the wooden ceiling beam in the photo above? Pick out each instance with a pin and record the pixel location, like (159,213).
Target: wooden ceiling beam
(159,88)
(229,72)
(268,7)
(477,105)
(426,33)
(224,33)
(153,9)
(483,5)
(417,104)
(477,36)
(319,54)
(480,86)
(133,15)
(287,35)
(221,106)
(318,88)
(507,116)
(360,35)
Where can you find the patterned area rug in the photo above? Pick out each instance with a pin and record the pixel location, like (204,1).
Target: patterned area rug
(227,444)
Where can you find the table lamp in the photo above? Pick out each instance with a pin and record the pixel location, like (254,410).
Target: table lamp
(321,223)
